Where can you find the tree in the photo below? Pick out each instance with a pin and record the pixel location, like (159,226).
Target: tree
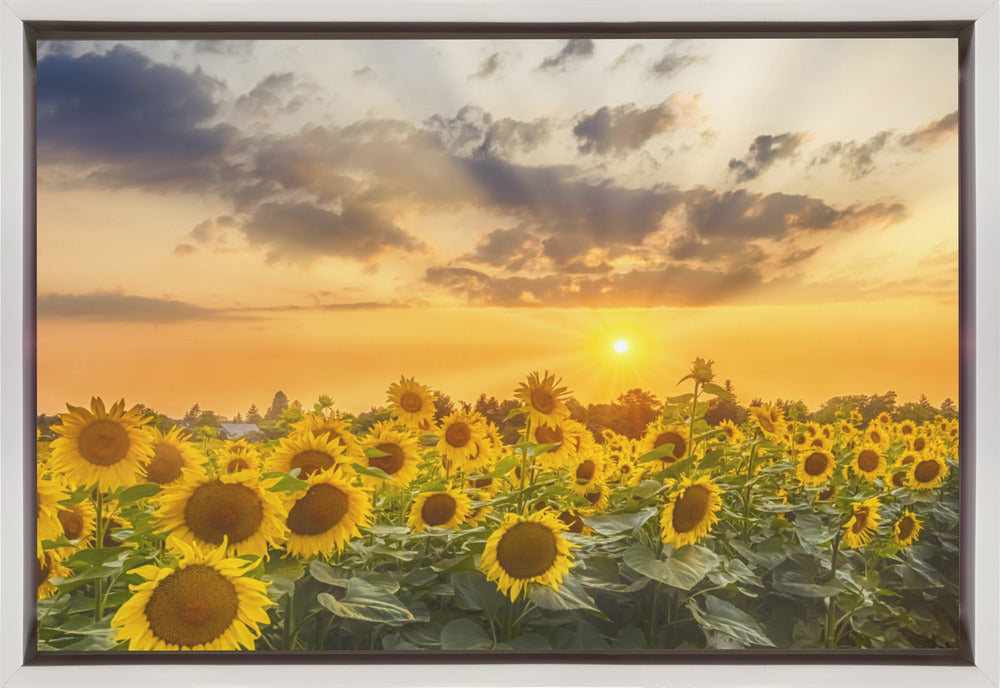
(443,405)
(253,415)
(208,419)
(191,417)
(637,409)
(948,409)
(238,418)
(278,405)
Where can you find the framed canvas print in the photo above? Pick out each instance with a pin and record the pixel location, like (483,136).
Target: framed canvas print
(501,339)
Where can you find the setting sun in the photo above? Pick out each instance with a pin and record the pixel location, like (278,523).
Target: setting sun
(621,346)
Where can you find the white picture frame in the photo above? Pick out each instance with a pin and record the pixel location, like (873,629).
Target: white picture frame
(981,344)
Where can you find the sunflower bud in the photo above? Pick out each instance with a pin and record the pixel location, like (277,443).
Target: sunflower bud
(701,370)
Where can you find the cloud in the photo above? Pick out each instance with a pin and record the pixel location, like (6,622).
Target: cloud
(270,96)
(622,128)
(765,150)
(224,47)
(856,159)
(474,132)
(934,132)
(118,307)
(628,55)
(364,74)
(303,232)
(576,49)
(507,248)
(132,118)
(487,67)
(671,63)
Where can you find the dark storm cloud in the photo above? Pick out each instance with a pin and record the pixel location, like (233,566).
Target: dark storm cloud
(575,49)
(507,248)
(663,285)
(116,307)
(933,132)
(487,67)
(473,131)
(622,128)
(303,232)
(765,150)
(135,119)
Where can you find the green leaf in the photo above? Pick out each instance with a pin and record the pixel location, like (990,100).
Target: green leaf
(285,482)
(474,593)
(812,531)
(680,398)
(503,467)
(374,453)
(371,472)
(94,556)
(793,583)
(394,641)
(683,568)
(656,454)
(137,492)
(619,523)
(96,573)
(725,618)
(530,641)
(282,574)
(715,389)
(367,602)
(648,488)
(569,595)
(325,573)
(462,634)
(515,412)
(383,530)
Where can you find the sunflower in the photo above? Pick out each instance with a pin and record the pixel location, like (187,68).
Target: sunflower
(770,419)
(597,497)
(730,431)
(869,461)
(884,418)
(559,434)
(411,402)
(307,452)
(815,466)
(659,435)
(171,452)
(573,520)
(801,440)
(690,512)
(103,447)
(443,509)
(846,429)
(877,435)
(239,455)
(926,473)
(205,603)
(233,507)
(586,472)
(543,399)
(526,550)
(918,442)
(906,428)
(113,521)
(461,434)
(859,529)
(478,514)
(398,449)
(826,493)
(333,428)
(49,494)
(50,566)
(906,530)
(77,522)
(325,515)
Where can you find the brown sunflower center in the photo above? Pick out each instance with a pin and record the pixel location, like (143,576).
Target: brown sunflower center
(44,568)
(482,483)
(410,402)
(192,606)
(907,460)
(543,400)
(393,459)
(817,442)
(593,497)
(72,523)
(112,525)
(897,478)
(458,434)
(166,464)
(216,510)
(875,436)
(927,471)
(919,443)
(319,510)
(310,461)
(816,464)
(573,521)
(860,519)
(103,443)
(867,460)
(765,420)
(691,508)
(237,464)
(905,429)
(674,438)
(827,493)
(802,440)
(585,471)
(527,550)
(546,435)
(438,509)
(905,526)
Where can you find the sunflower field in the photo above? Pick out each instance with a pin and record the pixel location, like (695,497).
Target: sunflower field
(419,533)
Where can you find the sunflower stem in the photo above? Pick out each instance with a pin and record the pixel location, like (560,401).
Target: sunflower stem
(99,535)
(286,628)
(831,603)
(748,488)
(694,407)
(524,466)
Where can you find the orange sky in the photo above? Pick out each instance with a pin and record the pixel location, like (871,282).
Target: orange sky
(323,217)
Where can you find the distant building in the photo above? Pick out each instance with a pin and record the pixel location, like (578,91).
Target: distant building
(234,431)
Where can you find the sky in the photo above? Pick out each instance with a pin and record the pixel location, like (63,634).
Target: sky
(218,220)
